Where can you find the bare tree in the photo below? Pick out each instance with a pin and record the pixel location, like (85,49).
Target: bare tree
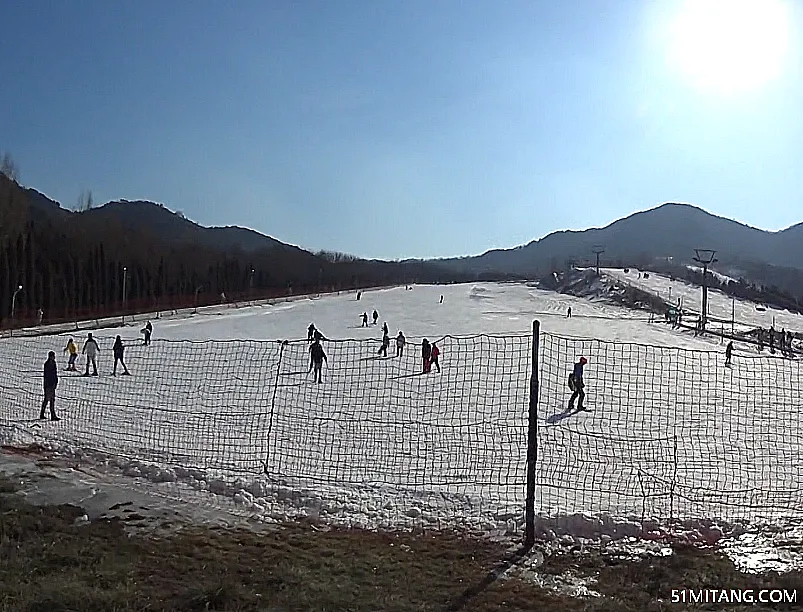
(85,201)
(9,167)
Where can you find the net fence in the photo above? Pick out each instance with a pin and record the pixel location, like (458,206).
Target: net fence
(378,440)
(668,433)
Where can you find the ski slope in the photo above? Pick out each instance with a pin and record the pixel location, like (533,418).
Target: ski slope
(720,305)
(379,445)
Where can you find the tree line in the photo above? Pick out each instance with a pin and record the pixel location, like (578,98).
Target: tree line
(77,267)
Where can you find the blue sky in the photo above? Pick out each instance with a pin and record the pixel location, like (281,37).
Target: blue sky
(392,129)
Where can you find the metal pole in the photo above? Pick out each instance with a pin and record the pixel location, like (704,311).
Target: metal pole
(532,443)
(670,295)
(733,316)
(125,278)
(14,302)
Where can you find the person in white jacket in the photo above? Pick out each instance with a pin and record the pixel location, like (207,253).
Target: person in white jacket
(91,350)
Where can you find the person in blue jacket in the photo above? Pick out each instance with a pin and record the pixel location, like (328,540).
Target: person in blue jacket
(576,384)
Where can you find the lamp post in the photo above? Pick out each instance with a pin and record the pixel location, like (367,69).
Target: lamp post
(14,302)
(251,285)
(125,279)
(704,257)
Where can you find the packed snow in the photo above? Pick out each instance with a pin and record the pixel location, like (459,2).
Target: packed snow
(218,403)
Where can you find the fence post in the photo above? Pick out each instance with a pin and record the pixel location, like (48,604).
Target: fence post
(532,443)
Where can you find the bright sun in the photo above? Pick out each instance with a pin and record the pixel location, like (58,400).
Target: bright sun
(729,46)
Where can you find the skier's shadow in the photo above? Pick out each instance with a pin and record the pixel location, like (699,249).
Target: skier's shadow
(560,416)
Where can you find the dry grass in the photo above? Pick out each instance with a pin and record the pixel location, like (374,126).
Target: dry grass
(50,564)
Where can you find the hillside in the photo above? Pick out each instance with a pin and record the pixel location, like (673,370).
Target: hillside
(72,264)
(670,230)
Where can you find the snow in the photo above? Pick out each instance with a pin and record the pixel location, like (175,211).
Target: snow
(377,445)
(720,305)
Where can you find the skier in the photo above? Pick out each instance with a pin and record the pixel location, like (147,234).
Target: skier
(359,295)
(569,313)
(383,350)
(118,349)
(310,331)
(400,342)
(73,351)
(434,358)
(364,319)
(385,328)
(728,353)
(441,302)
(147,331)
(51,380)
(426,355)
(91,350)
(317,357)
(576,384)
(375,316)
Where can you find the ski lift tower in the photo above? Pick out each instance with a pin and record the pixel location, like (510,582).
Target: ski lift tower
(705,257)
(598,250)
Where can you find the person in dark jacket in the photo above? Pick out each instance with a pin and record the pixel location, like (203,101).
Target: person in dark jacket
(728,353)
(383,350)
(51,379)
(118,349)
(365,319)
(375,316)
(147,331)
(426,355)
(317,357)
(310,331)
(577,384)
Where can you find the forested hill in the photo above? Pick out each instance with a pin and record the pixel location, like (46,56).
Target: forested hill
(71,263)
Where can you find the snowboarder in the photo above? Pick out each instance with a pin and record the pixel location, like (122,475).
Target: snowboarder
(728,353)
(72,349)
(434,357)
(385,328)
(375,316)
(569,313)
(426,355)
(317,357)
(91,350)
(118,349)
(51,380)
(310,331)
(365,319)
(400,342)
(576,384)
(147,331)
(383,350)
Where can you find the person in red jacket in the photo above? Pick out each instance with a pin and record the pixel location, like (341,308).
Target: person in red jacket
(433,360)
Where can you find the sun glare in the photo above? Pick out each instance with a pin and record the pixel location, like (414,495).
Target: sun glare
(729,46)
